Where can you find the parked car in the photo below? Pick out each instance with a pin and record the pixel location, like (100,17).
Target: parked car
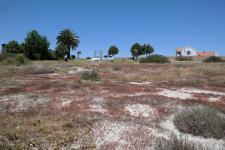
(108,58)
(96,59)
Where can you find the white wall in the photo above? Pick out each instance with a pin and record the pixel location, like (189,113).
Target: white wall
(185,51)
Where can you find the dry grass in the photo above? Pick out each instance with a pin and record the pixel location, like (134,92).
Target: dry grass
(177,143)
(187,73)
(41,130)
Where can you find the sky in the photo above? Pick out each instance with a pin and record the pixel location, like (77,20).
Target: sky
(165,24)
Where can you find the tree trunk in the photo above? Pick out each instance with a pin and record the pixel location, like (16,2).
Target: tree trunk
(68,53)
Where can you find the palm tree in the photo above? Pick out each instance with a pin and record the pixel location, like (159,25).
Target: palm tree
(78,54)
(68,38)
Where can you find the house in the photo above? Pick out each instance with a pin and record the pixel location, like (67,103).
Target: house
(207,53)
(186,51)
(190,51)
(2,48)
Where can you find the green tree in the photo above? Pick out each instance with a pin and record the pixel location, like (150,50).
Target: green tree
(147,49)
(69,38)
(13,47)
(36,46)
(113,50)
(136,50)
(78,54)
(61,51)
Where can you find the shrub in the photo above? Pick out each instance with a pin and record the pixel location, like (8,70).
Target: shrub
(12,59)
(201,121)
(175,143)
(184,58)
(21,59)
(154,59)
(90,75)
(213,59)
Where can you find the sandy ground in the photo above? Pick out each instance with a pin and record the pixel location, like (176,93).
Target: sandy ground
(129,115)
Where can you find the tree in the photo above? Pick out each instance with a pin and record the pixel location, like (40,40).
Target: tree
(36,46)
(61,51)
(113,50)
(78,54)
(147,49)
(136,50)
(68,38)
(13,47)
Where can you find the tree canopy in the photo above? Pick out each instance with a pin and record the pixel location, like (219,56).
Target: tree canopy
(13,47)
(61,51)
(113,50)
(68,38)
(136,50)
(147,49)
(36,46)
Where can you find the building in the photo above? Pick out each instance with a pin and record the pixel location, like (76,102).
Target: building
(2,48)
(190,51)
(207,53)
(186,51)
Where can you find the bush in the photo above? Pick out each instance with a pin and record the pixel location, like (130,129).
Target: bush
(90,75)
(154,59)
(213,59)
(175,143)
(21,59)
(201,121)
(184,58)
(12,59)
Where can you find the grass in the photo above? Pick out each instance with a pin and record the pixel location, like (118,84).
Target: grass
(13,59)
(90,75)
(31,129)
(38,69)
(214,59)
(177,143)
(201,121)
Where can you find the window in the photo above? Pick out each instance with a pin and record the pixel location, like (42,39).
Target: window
(188,52)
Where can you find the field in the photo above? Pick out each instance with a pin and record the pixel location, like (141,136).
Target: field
(46,104)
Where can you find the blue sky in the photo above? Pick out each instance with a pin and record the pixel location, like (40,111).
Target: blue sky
(165,24)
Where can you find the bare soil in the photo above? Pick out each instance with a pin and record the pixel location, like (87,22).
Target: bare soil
(130,108)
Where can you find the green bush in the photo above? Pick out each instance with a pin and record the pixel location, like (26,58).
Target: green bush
(213,59)
(201,121)
(21,59)
(90,75)
(184,58)
(12,59)
(175,143)
(154,59)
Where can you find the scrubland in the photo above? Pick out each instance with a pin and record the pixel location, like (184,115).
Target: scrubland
(122,105)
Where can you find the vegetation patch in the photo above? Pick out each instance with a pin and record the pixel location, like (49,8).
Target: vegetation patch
(13,59)
(201,121)
(32,130)
(184,58)
(90,75)
(213,59)
(154,59)
(175,143)
(38,69)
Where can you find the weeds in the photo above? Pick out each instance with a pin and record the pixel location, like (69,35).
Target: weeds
(175,143)
(201,121)
(90,75)
(31,129)
(213,59)
(38,69)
